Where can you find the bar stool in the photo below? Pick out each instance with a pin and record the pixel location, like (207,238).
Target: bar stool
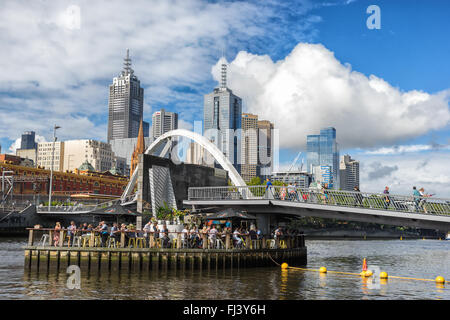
(174,243)
(85,241)
(132,241)
(270,243)
(140,242)
(219,244)
(44,240)
(76,241)
(112,243)
(283,244)
(97,241)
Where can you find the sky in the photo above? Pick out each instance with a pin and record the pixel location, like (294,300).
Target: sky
(302,64)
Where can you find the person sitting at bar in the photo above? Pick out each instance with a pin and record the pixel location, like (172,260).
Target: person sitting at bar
(194,237)
(237,240)
(115,232)
(103,233)
(165,240)
(71,232)
(212,236)
(56,235)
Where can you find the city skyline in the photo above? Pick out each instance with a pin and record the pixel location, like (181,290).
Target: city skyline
(395,150)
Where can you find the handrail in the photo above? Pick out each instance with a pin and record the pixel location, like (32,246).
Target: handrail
(150,239)
(340,198)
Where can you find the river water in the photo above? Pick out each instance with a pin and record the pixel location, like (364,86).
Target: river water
(423,259)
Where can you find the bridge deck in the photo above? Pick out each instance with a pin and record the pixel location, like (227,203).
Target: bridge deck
(344,205)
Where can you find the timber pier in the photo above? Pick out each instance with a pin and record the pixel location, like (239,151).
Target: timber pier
(144,254)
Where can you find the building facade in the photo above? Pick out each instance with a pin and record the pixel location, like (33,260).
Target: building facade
(163,121)
(126,104)
(301,178)
(222,114)
(322,150)
(98,154)
(46,155)
(265,148)
(249,146)
(36,181)
(349,173)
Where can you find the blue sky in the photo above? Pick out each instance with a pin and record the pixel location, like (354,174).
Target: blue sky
(58,72)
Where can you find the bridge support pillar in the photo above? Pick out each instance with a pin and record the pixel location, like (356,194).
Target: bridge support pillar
(263,223)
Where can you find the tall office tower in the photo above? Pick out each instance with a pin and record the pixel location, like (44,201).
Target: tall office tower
(249,146)
(265,147)
(163,121)
(221,120)
(126,104)
(322,151)
(349,173)
(28,140)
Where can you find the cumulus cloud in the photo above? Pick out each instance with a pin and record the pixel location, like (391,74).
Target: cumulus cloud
(310,89)
(428,170)
(379,171)
(408,148)
(56,66)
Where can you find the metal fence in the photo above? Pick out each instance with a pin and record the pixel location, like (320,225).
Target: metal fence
(375,201)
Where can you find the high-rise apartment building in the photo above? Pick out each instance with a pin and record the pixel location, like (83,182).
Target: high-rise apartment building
(322,151)
(163,121)
(126,104)
(249,146)
(51,152)
(349,173)
(221,120)
(265,148)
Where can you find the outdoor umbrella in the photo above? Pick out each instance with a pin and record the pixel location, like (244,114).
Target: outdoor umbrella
(230,214)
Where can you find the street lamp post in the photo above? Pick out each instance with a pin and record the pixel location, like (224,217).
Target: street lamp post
(51,168)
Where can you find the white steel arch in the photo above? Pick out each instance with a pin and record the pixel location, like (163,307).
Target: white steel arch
(235,178)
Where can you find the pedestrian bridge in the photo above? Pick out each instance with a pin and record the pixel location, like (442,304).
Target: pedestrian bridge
(426,213)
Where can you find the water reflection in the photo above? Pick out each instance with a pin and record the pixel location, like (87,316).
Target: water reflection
(421,259)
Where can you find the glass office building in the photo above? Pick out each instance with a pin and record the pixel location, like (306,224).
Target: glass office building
(322,150)
(222,116)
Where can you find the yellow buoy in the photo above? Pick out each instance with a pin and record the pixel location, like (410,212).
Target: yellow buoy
(368,273)
(440,279)
(284,266)
(383,275)
(323,270)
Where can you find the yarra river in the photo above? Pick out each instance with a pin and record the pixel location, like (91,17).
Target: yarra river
(424,259)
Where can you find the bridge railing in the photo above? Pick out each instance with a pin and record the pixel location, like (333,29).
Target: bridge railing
(75,208)
(375,201)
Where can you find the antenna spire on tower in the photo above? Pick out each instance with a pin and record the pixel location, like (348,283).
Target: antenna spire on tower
(223,82)
(127,64)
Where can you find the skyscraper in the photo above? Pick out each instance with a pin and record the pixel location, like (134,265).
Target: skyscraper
(265,148)
(222,118)
(349,173)
(28,140)
(126,104)
(249,145)
(322,151)
(163,121)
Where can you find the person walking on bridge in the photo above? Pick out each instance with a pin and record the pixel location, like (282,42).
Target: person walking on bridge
(268,189)
(358,196)
(417,197)
(387,199)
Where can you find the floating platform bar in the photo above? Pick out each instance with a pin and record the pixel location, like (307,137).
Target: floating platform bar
(255,253)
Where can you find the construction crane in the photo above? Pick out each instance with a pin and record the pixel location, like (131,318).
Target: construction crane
(292,165)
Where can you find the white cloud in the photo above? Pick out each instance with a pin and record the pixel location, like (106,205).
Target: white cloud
(311,89)
(54,72)
(406,149)
(401,172)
